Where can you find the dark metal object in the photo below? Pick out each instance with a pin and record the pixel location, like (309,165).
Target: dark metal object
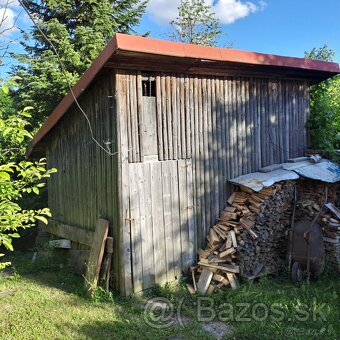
(306,245)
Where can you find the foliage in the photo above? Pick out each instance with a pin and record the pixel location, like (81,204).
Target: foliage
(17,179)
(79,30)
(324,123)
(322,54)
(196,24)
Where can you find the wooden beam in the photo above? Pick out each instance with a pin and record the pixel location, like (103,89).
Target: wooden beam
(73,233)
(96,255)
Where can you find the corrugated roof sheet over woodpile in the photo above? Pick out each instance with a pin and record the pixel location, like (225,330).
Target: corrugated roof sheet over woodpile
(325,171)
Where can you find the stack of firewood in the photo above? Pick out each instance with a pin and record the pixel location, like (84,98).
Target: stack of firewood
(249,239)
(311,199)
(331,227)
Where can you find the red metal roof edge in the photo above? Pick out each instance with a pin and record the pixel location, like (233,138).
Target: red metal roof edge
(138,44)
(175,49)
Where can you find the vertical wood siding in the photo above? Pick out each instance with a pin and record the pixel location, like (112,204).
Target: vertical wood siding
(224,127)
(85,186)
(208,130)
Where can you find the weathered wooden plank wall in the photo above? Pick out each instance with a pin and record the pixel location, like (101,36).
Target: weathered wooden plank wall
(85,186)
(208,130)
(161,225)
(226,127)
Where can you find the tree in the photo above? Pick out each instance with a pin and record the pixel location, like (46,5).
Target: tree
(324,122)
(79,30)
(17,179)
(322,54)
(196,24)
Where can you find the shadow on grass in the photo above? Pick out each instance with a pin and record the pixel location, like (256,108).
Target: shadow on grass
(47,269)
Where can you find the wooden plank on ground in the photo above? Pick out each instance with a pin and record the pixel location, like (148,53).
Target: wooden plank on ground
(96,255)
(233,280)
(204,281)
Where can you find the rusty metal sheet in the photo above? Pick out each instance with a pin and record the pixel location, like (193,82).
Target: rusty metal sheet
(325,171)
(258,180)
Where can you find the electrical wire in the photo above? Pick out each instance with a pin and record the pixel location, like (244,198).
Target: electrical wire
(63,68)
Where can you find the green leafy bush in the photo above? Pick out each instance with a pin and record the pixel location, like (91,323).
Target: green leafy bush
(324,122)
(17,179)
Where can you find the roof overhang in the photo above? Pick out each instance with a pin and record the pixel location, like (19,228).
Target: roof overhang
(146,54)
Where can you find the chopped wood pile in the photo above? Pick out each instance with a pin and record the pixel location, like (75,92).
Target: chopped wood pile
(249,239)
(311,199)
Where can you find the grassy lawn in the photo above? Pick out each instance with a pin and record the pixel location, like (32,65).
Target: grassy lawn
(49,304)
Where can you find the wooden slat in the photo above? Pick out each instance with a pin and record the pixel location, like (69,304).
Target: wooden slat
(169,245)
(164,120)
(136,237)
(182,118)
(196,167)
(146,227)
(200,174)
(159,118)
(183,212)
(134,148)
(205,156)
(96,255)
(176,220)
(192,239)
(187,145)
(132,156)
(169,120)
(214,140)
(179,110)
(174,111)
(158,225)
(126,273)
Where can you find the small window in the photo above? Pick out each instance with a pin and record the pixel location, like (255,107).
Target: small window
(149,86)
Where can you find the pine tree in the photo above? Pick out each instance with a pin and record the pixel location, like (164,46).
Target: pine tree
(196,24)
(79,30)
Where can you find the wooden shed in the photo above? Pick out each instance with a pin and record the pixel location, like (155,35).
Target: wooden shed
(168,125)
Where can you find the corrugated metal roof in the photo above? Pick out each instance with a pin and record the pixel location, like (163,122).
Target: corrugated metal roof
(325,171)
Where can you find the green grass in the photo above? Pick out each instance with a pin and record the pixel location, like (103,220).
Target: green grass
(49,303)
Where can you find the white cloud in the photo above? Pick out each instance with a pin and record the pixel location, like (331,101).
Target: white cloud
(9,3)
(8,16)
(228,11)
(163,11)
(7,20)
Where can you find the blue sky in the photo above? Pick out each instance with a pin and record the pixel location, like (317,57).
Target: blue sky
(283,27)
